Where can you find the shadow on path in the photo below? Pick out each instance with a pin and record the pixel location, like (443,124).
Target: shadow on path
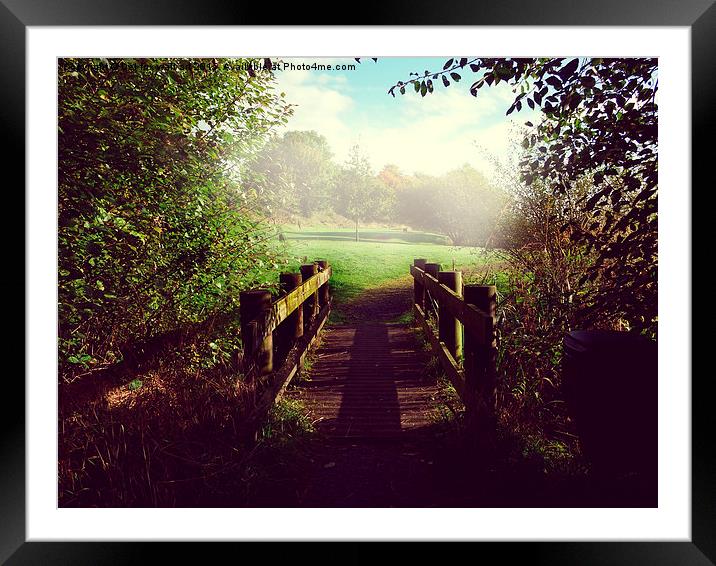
(369,399)
(373,407)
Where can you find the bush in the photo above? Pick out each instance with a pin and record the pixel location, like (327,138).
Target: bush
(157,234)
(153,232)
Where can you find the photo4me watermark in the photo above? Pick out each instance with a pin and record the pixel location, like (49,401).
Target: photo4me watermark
(280,65)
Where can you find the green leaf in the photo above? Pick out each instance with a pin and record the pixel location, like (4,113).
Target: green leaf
(568,70)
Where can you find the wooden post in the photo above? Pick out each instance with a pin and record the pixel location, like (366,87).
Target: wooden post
(324,292)
(291,329)
(310,306)
(480,370)
(418,288)
(450,327)
(252,306)
(431,269)
(294,322)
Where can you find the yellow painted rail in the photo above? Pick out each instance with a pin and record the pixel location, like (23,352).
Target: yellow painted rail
(459,323)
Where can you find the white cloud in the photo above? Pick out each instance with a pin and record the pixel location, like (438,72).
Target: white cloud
(432,135)
(317,106)
(439,132)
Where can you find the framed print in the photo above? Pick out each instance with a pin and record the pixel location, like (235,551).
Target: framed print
(195,103)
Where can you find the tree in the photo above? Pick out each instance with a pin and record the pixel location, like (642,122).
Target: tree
(393,178)
(155,227)
(358,194)
(296,170)
(461,204)
(403,189)
(599,116)
(466,207)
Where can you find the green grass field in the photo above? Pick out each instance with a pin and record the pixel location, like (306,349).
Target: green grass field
(379,256)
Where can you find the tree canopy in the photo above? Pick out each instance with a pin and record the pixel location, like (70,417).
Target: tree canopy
(461,204)
(296,169)
(598,117)
(154,220)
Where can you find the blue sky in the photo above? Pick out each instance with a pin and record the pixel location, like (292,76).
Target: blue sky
(431,135)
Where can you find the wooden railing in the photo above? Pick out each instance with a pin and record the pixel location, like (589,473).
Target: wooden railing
(465,340)
(277,334)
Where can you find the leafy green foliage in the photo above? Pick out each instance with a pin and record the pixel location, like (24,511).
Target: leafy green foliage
(599,116)
(295,171)
(288,418)
(156,228)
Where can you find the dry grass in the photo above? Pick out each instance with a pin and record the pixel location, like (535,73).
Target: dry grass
(163,443)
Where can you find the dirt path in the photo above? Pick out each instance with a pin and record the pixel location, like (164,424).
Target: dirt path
(383,303)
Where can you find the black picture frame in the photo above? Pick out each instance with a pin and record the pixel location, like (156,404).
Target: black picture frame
(699,15)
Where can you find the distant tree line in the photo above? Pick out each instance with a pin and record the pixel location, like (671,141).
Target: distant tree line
(297,176)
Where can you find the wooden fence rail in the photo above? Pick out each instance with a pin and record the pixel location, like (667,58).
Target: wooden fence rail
(465,342)
(278,333)
(260,316)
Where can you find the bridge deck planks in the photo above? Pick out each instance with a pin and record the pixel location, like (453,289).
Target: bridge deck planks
(368,381)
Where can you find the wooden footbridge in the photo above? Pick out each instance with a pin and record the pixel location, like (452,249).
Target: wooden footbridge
(368,384)
(368,380)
